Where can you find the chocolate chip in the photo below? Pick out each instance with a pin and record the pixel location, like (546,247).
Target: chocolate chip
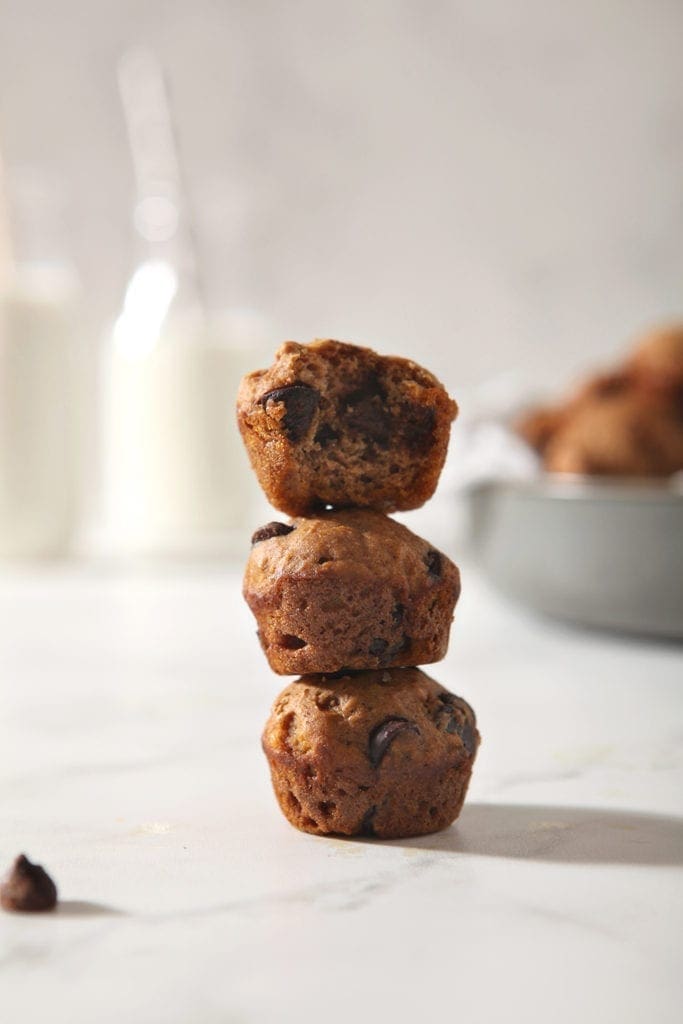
(466,733)
(366,825)
(400,647)
(453,719)
(397,614)
(273,529)
(417,427)
(365,413)
(381,649)
(434,565)
(325,435)
(300,402)
(384,735)
(291,643)
(27,887)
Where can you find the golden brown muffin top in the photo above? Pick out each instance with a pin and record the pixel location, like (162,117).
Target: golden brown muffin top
(360,540)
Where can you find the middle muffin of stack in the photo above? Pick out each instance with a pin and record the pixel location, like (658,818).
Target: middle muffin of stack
(364,743)
(352,589)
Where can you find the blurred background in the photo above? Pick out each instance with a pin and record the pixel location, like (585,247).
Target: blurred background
(494,189)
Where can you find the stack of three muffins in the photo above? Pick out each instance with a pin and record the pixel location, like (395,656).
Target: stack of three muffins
(364,743)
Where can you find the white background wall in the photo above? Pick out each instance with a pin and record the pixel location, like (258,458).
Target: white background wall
(485,184)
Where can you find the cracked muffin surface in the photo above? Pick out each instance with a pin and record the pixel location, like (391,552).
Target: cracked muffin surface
(387,753)
(335,424)
(349,590)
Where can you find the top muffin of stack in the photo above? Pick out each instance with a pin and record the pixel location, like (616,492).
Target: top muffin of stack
(335,425)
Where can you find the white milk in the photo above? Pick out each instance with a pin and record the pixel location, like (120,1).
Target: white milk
(38,411)
(176,478)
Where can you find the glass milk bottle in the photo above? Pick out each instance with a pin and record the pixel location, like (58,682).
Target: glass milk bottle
(176,479)
(38,386)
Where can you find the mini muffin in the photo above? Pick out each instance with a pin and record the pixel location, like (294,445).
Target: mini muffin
(349,590)
(385,753)
(633,434)
(539,425)
(334,424)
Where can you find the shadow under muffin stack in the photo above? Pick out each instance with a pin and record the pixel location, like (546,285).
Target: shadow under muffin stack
(364,743)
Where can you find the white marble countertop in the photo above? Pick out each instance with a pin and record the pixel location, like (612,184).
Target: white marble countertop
(130,714)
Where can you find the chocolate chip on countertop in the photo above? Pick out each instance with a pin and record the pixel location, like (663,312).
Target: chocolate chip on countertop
(384,735)
(300,402)
(27,887)
(433,562)
(273,529)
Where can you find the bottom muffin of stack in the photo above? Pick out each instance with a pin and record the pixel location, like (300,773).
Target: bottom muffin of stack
(387,753)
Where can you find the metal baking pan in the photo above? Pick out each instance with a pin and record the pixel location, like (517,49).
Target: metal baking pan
(599,552)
